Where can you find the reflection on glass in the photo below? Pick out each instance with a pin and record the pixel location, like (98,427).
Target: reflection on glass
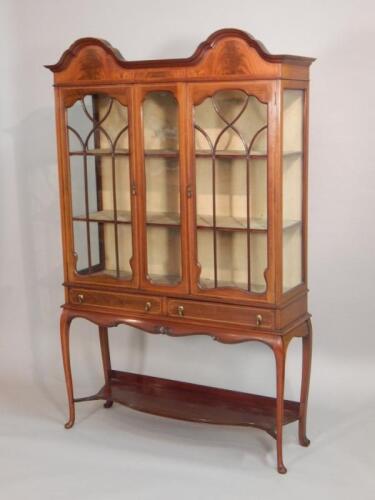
(231,190)
(160,117)
(100,185)
(162,174)
(292,188)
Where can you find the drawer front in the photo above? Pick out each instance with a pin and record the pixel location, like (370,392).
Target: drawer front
(249,316)
(125,301)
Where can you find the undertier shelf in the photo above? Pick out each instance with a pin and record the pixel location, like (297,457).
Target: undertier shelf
(223,222)
(195,403)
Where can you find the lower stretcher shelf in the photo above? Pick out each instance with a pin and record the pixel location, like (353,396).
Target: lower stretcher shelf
(196,403)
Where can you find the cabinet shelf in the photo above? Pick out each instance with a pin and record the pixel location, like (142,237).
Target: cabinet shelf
(161,153)
(230,223)
(124,217)
(201,153)
(101,152)
(237,154)
(149,153)
(109,273)
(223,222)
(206,283)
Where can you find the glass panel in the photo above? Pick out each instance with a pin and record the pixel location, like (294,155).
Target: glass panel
(231,259)
(162,173)
(292,188)
(160,115)
(162,190)
(164,254)
(231,190)
(100,185)
(101,258)
(80,246)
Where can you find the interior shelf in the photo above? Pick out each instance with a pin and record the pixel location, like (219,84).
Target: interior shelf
(206,283)
(163,219)
(195,403)
(229,153)
(161,279)
(223,222)
(238,154)
(166,153)
(164,279)
(226,222)
(111,273)
(123,216)
(161,153)
(100,152)
(156,153)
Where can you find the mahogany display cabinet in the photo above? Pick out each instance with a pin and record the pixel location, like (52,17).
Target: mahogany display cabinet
(183,188)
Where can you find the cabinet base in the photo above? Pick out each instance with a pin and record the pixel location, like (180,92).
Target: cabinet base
(195,403)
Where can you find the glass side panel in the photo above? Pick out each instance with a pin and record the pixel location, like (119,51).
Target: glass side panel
(99,157)
(293,105)
(231,190)
(162,174)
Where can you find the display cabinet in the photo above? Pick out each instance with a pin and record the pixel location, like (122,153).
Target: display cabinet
(183,188)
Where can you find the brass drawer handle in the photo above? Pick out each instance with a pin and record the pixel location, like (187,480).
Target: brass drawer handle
(80,298)
(180,310)
(259,319)
(148,306)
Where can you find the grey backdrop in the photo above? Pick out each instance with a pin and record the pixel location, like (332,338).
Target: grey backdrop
(110,454)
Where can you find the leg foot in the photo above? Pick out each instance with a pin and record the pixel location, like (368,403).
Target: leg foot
(281,469)
(306,368)
(108,404)
(69,424)
(304,441)
(65,321)
(280,355)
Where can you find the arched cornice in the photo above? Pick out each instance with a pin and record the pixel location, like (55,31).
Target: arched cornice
(194,59)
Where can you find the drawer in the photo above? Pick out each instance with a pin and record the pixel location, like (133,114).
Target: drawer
(129,302)
(204,311)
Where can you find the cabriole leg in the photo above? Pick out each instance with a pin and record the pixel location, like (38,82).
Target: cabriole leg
(65,321)
(106,359)
(306,369)
(280,355)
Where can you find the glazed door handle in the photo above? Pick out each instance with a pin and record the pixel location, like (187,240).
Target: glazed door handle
(180,310)
(80,298)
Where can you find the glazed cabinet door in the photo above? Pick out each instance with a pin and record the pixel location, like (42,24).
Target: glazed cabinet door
(161,169)
(98,186)
(232,157)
